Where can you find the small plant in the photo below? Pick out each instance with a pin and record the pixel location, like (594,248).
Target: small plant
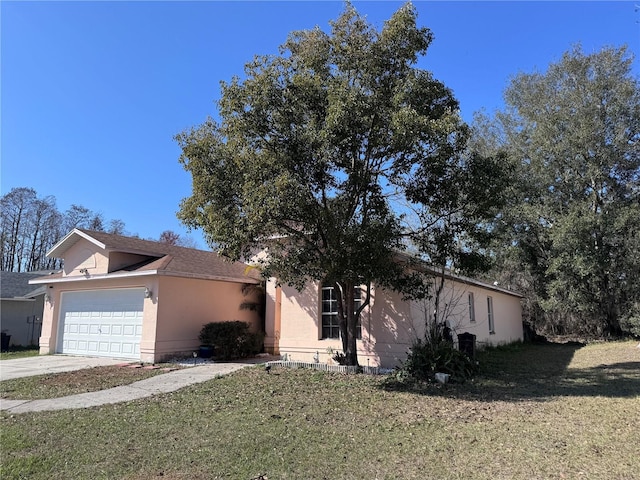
(231,339)
(338,357)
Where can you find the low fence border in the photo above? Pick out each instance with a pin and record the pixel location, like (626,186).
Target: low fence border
(325,367)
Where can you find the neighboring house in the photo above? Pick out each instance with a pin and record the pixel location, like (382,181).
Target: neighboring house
(303,325)
(128,298)
(21,307)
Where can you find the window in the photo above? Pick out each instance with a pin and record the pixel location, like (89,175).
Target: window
(490,315)
(330,324)
(472,308)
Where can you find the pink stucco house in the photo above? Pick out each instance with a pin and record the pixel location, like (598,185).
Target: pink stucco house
(302,326)
(135,299)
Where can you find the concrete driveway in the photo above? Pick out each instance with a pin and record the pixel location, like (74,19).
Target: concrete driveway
(42,364)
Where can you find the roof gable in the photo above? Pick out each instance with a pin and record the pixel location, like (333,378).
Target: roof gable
(162,258)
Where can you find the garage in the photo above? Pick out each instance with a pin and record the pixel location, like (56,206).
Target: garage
(104,323)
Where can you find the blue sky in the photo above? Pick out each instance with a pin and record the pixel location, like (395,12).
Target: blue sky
(92,93)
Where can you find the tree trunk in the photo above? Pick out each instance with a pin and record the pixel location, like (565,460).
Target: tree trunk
(348,319)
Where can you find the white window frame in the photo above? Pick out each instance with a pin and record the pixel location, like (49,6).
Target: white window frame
(472,308)
(328,312)
(490,319)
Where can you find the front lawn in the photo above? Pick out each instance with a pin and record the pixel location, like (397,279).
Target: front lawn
(537,411)
(19,352)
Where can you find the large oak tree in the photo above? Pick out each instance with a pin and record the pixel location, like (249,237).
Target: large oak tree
(334,156)
(574,222)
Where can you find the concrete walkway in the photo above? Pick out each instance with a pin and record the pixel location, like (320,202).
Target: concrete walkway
(168,382)
(46,364)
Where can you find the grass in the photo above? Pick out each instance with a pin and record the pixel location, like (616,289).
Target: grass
(537,411)
(70,383)
(19,352)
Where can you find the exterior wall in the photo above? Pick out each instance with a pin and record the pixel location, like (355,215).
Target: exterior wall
(299,335)
(185,305)
(173,315)
(22,320)
(85,254)
(273,318)
(389,325)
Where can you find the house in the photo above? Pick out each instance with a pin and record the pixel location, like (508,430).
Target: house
(303,326)
(136,299)
(21,306)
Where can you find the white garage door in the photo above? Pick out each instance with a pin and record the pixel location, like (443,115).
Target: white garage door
(105,323)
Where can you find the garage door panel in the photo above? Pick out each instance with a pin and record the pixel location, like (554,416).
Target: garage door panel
(102,322)
(128,348)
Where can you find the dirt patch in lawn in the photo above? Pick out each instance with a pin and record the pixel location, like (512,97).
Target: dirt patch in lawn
(79,381)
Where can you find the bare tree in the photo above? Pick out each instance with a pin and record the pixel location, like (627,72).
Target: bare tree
(30,226)
(172,238)
(16,209)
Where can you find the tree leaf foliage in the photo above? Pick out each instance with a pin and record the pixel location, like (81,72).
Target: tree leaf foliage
(334,155)
(574,132)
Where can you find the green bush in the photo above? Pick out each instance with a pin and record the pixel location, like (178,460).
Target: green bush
(231,340)
(630,323)
(427,358)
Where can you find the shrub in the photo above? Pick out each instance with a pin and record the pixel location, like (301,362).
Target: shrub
(630,323)
(426,358)
(338,357)
(231,339)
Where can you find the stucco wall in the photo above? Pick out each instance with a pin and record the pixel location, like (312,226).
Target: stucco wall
(85,255)
(389,324)
(300,334)
(173,315)
(185,305)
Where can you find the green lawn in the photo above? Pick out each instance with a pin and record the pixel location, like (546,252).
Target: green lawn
(543,411)
(19,352)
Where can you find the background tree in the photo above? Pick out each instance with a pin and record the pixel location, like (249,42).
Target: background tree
(116,227)
(322,152)
(574,221)
(31,225)
(173,238)
(77,216)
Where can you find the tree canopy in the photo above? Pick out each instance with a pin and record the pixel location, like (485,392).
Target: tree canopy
(574,221)
(335,155)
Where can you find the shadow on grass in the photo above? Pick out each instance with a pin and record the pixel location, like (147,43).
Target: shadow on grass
(535,372)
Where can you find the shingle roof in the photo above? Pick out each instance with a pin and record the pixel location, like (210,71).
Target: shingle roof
(16,285)
(170,259)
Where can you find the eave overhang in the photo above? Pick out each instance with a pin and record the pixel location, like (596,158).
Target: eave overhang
(147,273)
